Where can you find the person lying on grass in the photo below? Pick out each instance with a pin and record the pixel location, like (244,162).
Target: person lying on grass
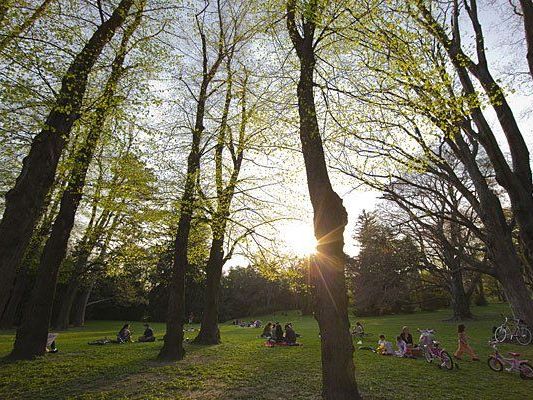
(148,335)
(124,335)
(384,346)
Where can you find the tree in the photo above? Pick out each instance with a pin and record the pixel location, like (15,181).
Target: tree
(173,346)
(32,334)
(330,218)
(24,201)
(385,269)
(24,26)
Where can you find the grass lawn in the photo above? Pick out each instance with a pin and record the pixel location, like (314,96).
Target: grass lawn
(242,368)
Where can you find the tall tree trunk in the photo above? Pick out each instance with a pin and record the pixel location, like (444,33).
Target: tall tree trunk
(25,200)
(32,334)
(527,15)
(11,312)
(517,181)
(459,299)
(173,347)
(330,219)
(499,240)
(80,305)
(515,290)
(209,332)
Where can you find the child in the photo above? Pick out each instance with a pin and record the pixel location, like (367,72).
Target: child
(464,347)
(384,347)
(402,347)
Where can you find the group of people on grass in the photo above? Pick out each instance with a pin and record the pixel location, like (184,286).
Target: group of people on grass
(124,335)
(275,334)
(407,348)
(243,324)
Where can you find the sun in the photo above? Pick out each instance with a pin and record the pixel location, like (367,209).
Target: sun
(299,238)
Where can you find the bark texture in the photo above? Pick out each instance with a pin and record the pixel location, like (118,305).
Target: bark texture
(209,332)
(25,200)
(32,334)
(330,218)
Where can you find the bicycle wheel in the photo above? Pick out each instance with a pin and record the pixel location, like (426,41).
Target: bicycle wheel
(428,356)
(500,334)
(523,335)
(447,361)
(495,364)
(526,371)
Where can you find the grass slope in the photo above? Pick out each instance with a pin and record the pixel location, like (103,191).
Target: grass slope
(242,368)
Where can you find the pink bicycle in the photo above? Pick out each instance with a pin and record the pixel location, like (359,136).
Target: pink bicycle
(432,349)
(496,363)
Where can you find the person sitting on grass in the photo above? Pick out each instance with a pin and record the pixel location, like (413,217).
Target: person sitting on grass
(290,334)
(124,335)
(267,331)
(358,330)
(278,333)
(402,347)
(463,346)
(384,347)
(148,335)
(406,336)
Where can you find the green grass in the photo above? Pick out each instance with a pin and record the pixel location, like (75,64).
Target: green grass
(242,368)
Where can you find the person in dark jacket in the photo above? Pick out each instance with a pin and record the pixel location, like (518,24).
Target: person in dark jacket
(290,334)
(278,333)
(148,335)
(124,335)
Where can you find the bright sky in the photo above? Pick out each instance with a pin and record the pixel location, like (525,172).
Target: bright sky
(504,41)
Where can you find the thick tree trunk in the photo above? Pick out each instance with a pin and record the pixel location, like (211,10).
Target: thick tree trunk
(501,248)
(515,290)
(330,219)
(25,200)
(12,311)
(80,306)
(527,15)
(172,349)
(209,332)
(459,299)
(32,334)
(173,346)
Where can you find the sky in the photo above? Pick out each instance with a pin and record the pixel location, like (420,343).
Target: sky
(505,50)
(504,41)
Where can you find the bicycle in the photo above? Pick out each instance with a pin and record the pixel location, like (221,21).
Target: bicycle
(496,363)
(432,349)
(513,329)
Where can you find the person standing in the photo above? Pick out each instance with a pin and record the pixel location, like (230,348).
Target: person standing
(463,346)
